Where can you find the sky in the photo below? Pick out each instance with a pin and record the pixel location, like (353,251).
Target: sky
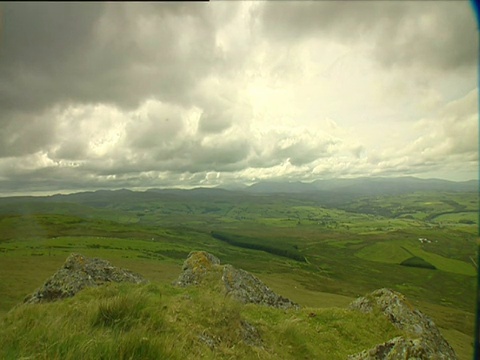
(141,95)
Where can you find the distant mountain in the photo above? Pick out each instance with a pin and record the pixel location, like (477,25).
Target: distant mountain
(332,191)
(236,186)
(372,186)
(364,186)
(196,193)
(280,187)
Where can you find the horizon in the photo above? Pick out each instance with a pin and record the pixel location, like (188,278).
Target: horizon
(226,187)
(145,95)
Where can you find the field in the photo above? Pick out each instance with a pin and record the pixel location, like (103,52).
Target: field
(318,252)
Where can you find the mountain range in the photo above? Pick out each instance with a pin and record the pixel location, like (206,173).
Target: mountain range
(338,189)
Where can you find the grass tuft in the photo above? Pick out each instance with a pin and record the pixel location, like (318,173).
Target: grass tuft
(119,312)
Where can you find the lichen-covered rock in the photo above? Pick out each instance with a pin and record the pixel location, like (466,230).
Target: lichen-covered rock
(398,348)
(423,340)
(247,288)
(239,284)
(197,265)
(79,272)
(250,334)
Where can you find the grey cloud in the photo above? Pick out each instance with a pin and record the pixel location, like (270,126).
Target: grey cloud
(294,20)
(221,155)
(71,149)
(215,121)
(38,41)
(157,127)
(446,37)
(25,135)
(301,148)
(221,111)
(117,53)
(181,154)
(60,55)
(42,36)
(64,178)
(440,35)
(230,151)
(302,153)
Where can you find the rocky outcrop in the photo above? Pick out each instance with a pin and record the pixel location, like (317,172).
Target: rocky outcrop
(247,288)
(237,283)
(79,272)
(196,267)
(422,341)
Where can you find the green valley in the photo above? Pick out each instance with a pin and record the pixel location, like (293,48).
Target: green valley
(319,249)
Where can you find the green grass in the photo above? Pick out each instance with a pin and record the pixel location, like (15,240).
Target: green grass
(470,218)
(444,264)
(391,252)
(396,252)
(154,322)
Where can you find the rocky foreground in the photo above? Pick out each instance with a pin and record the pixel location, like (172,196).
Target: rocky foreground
(237,283)
(421,340)
(77,273)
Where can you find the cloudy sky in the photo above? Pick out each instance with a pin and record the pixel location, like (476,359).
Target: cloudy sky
(138,95)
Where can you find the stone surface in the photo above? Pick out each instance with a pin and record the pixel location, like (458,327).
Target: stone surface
(197,265)
(250,334)
(423,339)
(239,284)
(247,288)
(79,272)
(398,348)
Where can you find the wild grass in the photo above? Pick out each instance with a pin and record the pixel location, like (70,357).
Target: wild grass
(108,323)
(155,322)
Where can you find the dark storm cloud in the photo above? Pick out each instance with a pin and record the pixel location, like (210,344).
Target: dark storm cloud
(41,42)
(117,53)
(64,54)
(439,35)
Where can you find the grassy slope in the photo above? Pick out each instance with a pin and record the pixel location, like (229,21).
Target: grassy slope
(397,251)
(153,322)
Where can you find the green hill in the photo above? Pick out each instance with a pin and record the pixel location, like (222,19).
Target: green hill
(91,310)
